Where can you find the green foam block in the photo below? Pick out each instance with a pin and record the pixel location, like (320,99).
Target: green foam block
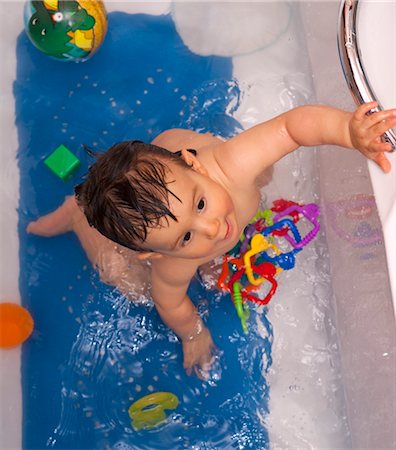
(62,162)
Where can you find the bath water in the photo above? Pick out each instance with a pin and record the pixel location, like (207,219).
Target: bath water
(93,352)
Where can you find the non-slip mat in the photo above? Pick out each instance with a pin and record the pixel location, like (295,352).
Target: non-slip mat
(92,352)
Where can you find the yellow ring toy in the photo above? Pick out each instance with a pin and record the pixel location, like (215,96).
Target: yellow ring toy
(148,412)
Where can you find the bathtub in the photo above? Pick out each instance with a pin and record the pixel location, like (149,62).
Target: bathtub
(358,248)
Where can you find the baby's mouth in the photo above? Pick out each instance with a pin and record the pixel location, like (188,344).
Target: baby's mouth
(228,231)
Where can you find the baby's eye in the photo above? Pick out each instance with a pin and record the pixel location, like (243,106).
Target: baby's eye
(186,238)
(201,204)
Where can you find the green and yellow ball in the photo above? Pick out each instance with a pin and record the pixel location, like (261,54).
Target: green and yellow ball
(67,30)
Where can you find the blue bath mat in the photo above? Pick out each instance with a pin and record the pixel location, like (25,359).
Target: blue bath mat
(93,353)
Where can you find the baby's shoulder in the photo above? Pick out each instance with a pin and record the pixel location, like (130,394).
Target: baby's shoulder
(175,271)
(176,139)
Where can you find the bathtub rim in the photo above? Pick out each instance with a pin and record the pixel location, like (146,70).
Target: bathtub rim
(361,90)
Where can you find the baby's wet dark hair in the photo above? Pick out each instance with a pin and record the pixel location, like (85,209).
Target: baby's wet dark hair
(126,192)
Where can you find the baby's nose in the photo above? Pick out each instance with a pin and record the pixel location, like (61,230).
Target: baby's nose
(210,227)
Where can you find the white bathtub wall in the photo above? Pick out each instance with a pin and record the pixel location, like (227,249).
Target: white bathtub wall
(10,378)
(363,298)
(379,63)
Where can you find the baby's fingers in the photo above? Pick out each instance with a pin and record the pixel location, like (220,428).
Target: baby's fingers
(382,161)
(363,110)
(202,371)
(188,366)
(378,146)
(380,116)
(382,125)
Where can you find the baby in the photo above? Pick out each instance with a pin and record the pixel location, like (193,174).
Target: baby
(181,209)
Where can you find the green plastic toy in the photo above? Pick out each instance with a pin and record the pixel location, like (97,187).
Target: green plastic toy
(149,411)
(62,162)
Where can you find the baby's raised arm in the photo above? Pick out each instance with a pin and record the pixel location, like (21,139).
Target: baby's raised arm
(169,291)
(247,155)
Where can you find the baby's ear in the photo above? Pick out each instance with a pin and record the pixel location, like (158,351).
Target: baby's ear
(144,256)
(193,162)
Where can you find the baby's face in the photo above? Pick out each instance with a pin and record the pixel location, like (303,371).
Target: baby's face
(206,221)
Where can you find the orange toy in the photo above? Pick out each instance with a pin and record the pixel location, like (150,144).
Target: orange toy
(16,325)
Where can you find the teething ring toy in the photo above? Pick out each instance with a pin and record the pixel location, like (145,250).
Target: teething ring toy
(311,213)
(241,309)
(268,271)
(281,204)
(225,271)
(250,229)
(258,244)
(282,228)
(261,220)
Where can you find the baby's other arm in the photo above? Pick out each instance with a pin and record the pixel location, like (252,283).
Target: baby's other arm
(247,155)
(169,291)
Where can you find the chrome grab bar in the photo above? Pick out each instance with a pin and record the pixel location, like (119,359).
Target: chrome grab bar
(350,57)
